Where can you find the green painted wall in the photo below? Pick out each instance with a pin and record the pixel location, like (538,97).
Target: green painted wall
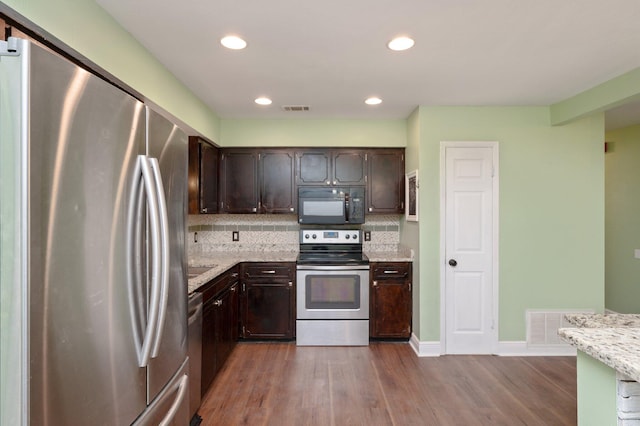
(615,92)
(410,231)
(87,28)
(622,220)
(596,392)
(301,132)
(551,210)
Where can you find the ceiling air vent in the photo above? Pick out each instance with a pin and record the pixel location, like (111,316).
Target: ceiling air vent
(295,108)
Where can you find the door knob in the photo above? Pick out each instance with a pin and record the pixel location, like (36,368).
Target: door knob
(453,262)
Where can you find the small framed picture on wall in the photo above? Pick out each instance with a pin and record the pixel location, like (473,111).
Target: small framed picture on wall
(411,196)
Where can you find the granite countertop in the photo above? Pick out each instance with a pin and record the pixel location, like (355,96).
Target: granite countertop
(603,320)
(613,339)
(221,261)
(400,255)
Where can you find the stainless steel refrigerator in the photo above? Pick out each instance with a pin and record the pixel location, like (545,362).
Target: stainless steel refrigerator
(92,264)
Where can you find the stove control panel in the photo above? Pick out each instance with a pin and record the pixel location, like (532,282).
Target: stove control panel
(330,236)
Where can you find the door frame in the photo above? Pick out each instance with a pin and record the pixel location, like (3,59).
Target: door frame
(495,236)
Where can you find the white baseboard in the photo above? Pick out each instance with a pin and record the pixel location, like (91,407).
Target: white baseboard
(520,348)
(424,349)
(517,348)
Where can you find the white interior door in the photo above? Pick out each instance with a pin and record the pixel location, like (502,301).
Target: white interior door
(470,216)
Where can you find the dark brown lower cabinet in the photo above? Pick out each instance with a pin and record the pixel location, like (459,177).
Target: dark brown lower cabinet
(268,301)
(390,300)
(219,324)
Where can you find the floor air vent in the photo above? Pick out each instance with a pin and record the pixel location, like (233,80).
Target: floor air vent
(543,325)
(295,108)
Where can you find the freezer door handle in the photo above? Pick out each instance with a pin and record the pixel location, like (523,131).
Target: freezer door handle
(164,254)
(182,391)
(155,253)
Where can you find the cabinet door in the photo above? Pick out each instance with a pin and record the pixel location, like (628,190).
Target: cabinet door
(208,370)
(349,167)
(203,176)
(277,189)
(391,305)
(239,181)
(209,157)
(313,167)
(385,186)
(268,310)
(225,324)
(194,175)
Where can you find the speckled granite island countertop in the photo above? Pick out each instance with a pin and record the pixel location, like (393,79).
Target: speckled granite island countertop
(220,262)
(613,339)
(604,320)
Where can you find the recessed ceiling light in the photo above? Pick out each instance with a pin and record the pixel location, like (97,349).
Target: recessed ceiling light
(233,42)
(373,101)
(263,101)
(401,43)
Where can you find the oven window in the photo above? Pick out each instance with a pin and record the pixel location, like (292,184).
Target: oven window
(332,292)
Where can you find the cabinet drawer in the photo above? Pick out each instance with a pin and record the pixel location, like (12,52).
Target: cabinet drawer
(390,270)
(263,271)
(218,284)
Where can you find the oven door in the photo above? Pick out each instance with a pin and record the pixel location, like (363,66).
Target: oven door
(332,292)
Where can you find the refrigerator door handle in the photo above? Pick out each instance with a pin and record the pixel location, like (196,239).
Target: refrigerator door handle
(134,261)
(164,253)
(156,267)
(182,391)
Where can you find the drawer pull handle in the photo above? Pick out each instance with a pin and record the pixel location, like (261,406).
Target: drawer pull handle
(269,272)
(390,272)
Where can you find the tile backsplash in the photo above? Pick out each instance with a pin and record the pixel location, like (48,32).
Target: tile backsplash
(213,233)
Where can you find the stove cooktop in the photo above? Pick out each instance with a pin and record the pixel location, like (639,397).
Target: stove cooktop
(332,258)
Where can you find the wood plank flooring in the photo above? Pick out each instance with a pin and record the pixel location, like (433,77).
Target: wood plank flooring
(387,384)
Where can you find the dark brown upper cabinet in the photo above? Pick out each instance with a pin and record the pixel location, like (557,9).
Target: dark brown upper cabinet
(203,176)
(385,183)
(239,181)
(326,167)
(277,189)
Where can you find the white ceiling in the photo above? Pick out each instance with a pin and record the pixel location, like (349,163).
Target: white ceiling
(332,54)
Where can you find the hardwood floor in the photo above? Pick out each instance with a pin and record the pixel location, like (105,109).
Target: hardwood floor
(387,384)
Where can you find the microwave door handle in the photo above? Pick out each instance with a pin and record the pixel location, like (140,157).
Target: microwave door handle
(346,208)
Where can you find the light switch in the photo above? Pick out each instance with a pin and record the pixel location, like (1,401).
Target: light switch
(636,253)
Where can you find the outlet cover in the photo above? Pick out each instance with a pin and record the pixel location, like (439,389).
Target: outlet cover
(636,253)
(235,236)
(367,235)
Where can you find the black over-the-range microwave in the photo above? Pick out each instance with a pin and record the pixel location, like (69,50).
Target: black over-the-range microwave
(334,206)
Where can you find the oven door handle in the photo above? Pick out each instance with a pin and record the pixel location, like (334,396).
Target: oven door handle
(332,267)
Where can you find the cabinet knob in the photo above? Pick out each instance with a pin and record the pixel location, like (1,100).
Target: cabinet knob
(370,209)
(204,210)
(292,209)
(290,283)
(335,182)
(218,302)
(254,209)
(375,283)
